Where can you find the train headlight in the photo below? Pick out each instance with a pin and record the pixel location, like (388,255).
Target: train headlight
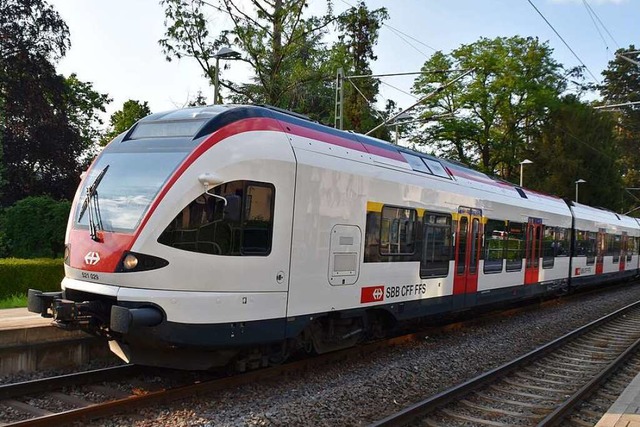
(130,262)
(67,253)
(133,262)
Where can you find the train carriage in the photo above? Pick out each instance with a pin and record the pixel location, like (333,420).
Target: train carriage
(241,233)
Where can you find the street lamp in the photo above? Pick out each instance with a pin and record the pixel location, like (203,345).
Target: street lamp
(578,182)
(522,163)
(223,53)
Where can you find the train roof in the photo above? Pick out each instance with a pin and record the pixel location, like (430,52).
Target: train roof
(197,122)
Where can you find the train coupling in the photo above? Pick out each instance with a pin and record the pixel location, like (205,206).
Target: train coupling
(66,313)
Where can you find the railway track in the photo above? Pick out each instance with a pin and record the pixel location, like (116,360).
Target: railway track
(63,400)
(540,388)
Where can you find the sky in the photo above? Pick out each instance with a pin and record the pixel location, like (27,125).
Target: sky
(114,44)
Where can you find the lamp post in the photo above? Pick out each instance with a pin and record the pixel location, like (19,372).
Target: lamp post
(578,182)
(223,53)
(522,163)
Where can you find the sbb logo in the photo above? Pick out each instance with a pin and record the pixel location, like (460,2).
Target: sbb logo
(372,294)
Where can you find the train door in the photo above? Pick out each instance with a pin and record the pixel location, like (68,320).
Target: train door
(533,246)
(600,251)
(467,256)
(623,250)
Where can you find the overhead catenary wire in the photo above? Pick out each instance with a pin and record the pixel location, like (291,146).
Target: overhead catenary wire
(601,23)
(563,41)
(591,15)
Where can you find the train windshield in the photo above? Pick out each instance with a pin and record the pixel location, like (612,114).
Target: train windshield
(127,189)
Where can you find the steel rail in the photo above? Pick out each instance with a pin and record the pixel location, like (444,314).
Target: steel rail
(566,407)
(8,391)
(429,405)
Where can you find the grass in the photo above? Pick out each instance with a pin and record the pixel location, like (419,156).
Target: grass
(13,301)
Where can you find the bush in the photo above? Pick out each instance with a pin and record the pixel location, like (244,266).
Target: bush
(34,227)
(18,275)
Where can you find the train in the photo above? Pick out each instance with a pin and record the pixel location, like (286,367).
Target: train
(241,234)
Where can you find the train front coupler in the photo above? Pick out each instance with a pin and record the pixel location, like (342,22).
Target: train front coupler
(65,313)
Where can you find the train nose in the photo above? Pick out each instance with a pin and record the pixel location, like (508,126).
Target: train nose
(123,319)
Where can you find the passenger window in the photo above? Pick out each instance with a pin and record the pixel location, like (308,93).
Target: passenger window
(562,242)
(549,247)
(436,249)
(515,246)
(591,248)
(243,227)
(495,236)
(397,233)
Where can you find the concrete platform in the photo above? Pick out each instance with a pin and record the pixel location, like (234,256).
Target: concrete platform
(625,412)
(29,342)
(12,318)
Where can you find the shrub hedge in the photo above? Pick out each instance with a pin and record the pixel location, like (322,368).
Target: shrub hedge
(18,275)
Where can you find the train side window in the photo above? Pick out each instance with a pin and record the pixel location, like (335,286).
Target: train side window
(436,246)
(616,247)
(562,242)
(631,247)
(591,247)
(243,227)
(549,244)
(397,231)
(495,236)
(515,246)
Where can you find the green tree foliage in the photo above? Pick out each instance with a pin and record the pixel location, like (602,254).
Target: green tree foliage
(283,47)
(35,227)
(49,122)
(622,85)
(488,118)
(358,31)
(577,142)
(123,119)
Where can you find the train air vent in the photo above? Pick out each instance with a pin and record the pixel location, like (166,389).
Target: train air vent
(521,193)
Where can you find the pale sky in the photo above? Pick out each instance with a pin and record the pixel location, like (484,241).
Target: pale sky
(114,44)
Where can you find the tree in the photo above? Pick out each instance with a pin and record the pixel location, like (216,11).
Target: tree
(33,27)
(283,48)
(577,142)
(488,118)
(358,28)
(123,119)
(49,122)
(622,85)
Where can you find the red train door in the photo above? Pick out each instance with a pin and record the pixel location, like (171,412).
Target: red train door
(623,250)
(467,252)
(600,251)
(533,247)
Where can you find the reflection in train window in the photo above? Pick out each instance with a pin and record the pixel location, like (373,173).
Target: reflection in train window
(243,227)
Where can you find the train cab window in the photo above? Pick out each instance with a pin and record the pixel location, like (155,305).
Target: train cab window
(436,245)
(515,246)
(495,237)
(549,244)
(243,227)
(397,231)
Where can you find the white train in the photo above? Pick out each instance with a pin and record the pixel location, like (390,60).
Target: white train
(209,235)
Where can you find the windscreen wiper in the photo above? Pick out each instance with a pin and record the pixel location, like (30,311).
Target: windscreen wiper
(91,203)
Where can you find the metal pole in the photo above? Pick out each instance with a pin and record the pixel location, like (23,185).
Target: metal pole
(577,184)
(521,168)
(216,82)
